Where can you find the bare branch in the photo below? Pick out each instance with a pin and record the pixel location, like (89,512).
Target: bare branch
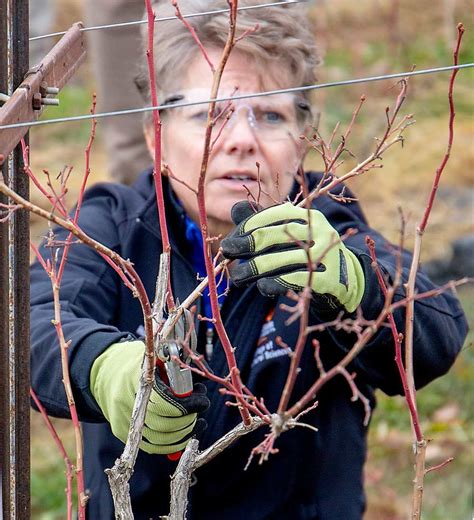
(227,440)
(190,28)
(181,480)
(62,450)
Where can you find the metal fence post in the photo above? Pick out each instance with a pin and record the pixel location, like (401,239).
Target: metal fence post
(14,289)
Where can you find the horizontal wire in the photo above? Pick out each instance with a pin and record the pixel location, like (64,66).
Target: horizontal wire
(167,18)
(240,96)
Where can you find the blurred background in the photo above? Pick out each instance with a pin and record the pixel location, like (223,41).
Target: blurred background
(356,39)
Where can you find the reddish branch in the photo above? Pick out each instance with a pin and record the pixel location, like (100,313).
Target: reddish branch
(248,31)
(191,30)
(331,159)
(62,450)
(365,331)
(7,210)
(64,345)
(420,451)
(439,466)
(252,403)
(452,115)
(166,170)
(357,395)
(234,372)
(128,274)
(227,384)
(122,267)
(59,199)
(398,340)
(329,180)
(27,169)
(87,160)
(224,116)
(301,310)
(363,338)
(81,191)
(298,352)
(410,287)
(157,144)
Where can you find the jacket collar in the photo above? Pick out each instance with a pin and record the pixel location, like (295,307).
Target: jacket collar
(148,214)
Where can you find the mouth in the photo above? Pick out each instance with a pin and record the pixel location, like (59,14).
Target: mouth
(242,177)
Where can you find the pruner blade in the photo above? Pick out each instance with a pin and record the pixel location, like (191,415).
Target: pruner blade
(174,346)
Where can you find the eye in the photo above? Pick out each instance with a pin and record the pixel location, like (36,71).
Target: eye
(272,117)
(199,116)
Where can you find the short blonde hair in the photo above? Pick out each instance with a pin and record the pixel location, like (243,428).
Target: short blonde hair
(284,38)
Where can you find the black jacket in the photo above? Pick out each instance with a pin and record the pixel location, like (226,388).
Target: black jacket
(314,475)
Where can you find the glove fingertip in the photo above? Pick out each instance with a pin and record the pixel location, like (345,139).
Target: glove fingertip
(200,388)
(199,428)
(242,273)
(271,287)
(197,402)
(203,405)
(235,246)
(242,210)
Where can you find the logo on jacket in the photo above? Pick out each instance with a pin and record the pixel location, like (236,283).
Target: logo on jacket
(266,348)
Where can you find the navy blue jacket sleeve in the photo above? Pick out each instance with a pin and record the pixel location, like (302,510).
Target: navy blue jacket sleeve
(439,325)
(88,297)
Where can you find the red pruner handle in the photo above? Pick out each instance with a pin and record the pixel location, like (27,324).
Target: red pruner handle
(161,368)
(174,456)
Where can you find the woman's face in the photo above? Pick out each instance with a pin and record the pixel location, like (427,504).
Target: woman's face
(260,131)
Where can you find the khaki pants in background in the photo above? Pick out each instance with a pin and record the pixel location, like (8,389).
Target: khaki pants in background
(42,17)
(116,54)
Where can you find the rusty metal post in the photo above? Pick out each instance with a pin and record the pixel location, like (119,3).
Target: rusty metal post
(14,289)
(40,86)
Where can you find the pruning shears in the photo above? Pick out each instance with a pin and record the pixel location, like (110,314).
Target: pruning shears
(178,378)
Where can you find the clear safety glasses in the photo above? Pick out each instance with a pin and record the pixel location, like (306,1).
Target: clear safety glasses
(276,117)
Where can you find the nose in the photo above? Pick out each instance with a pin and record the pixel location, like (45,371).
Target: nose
(238,136)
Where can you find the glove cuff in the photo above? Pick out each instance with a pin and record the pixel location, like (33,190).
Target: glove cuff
(109,363)
(357,283)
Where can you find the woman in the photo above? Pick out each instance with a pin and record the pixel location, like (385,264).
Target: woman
(314,475)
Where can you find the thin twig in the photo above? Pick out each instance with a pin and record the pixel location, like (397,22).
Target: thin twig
(62,450)
(191,30)
(64,345)
(81,191)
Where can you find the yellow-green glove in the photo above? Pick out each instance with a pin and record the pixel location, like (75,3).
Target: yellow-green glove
(270,243)
(170,421)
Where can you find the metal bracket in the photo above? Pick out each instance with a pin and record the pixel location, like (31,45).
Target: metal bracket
(41,98)
(39,87)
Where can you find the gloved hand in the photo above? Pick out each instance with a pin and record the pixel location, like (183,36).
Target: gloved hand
(270,243)
(170,421)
